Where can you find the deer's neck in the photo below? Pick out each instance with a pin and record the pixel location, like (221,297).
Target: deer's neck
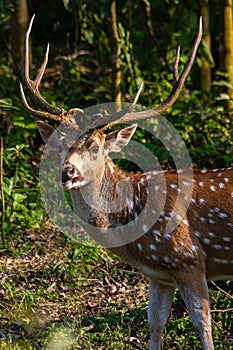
(113,199)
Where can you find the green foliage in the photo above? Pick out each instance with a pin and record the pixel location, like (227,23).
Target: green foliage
(23,207)
(6,103)
(5,11)
(20,205)
(206,130)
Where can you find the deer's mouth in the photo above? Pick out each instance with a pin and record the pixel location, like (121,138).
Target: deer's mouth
(73,183)
(71,177)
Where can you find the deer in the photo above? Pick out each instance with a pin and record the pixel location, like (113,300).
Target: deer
(180,245)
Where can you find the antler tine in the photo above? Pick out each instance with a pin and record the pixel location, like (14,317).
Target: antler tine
(49,112)
(176,66)
(42,68)
(178,82)
(33,86)
(36,113)
(118,116)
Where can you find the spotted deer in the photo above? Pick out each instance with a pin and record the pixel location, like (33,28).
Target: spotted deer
(199,244)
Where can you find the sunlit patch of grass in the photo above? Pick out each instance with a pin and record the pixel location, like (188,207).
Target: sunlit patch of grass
(59,338)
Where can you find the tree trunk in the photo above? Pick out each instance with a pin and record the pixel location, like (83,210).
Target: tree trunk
(205,70)
(115,54)
(228,47)
(201,75)
(18,27)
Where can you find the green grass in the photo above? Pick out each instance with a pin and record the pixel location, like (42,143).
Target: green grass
(57,295)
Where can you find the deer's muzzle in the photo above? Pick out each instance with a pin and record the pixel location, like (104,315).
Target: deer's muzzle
(71,176)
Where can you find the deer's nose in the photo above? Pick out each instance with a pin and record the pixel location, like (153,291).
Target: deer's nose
(68,172)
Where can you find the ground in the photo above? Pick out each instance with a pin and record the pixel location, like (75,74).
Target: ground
(58,294)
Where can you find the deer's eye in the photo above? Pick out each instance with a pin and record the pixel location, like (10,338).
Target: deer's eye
(95,149)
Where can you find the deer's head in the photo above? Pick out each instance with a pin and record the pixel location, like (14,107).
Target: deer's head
(87,155)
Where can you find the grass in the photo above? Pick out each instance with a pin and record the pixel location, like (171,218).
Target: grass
(57,295)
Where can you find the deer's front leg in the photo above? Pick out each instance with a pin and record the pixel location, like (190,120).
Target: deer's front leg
(194,290)
(160,300)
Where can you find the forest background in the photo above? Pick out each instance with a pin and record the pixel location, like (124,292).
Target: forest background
(55,293)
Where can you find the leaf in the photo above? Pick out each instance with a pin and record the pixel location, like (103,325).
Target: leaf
(7,103)
(222,97)
(223,83)
(206,53)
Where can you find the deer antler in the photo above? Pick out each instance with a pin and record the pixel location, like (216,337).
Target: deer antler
(178,83)
(50,112)
(60,115)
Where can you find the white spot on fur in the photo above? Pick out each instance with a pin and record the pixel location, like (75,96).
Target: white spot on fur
(197,234)
(227,239)
(221,261)
(166,259)
(173,186)
(211,234)
(167,236)
(153,247)
(194,248)
(139,246)
(154,257)
(217,246)
(185,222)
(227,249)
(188,255)
(221,185)
(212,222)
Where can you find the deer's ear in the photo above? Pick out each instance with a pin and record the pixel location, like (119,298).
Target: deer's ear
(45,130)
(117,139)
